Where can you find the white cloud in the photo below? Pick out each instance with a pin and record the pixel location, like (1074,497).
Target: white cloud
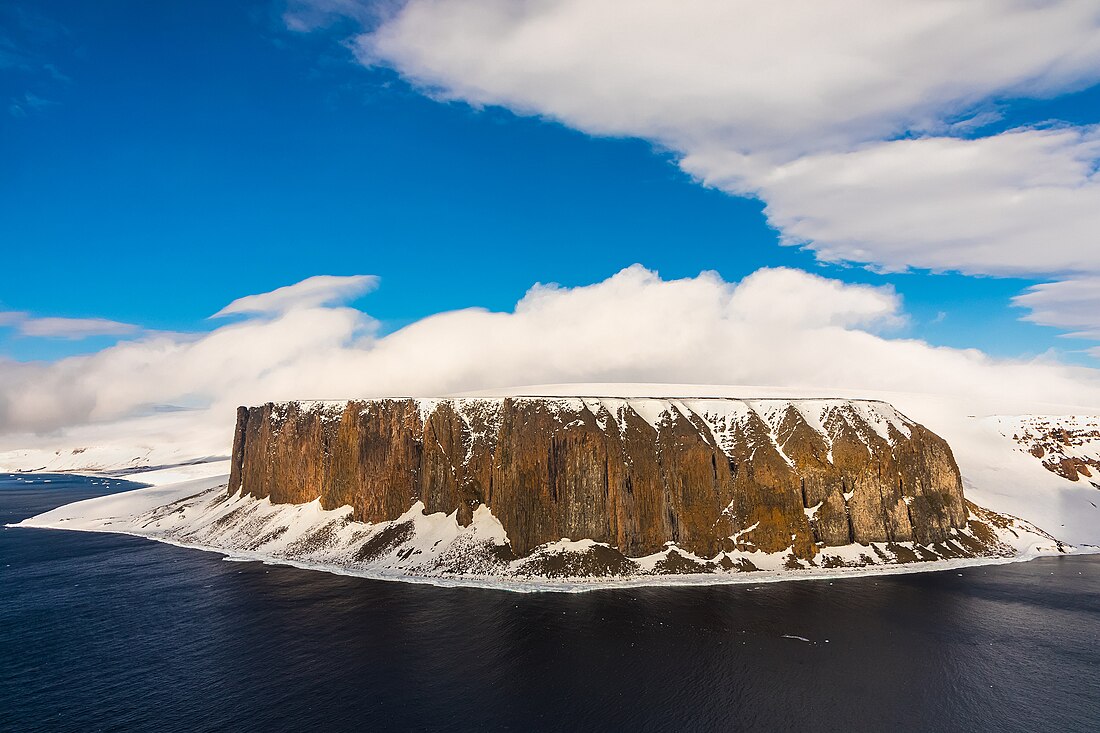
(794,76)
(778,327)
(1070,304)
(787,297)
(310,293)
(65,328)
(1023,202)
(840,116)
(243,361)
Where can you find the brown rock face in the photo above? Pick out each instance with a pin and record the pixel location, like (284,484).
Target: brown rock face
(709,475)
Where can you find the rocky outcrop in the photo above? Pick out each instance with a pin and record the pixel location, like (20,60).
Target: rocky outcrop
(1067,445)
(711,476)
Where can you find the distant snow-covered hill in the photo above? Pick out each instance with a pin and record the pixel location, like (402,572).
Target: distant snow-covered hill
(1068,445)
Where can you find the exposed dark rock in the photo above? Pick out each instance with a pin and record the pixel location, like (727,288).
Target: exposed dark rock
(676,564)
(595,561)
(1068,446)
(630,474)
(385,541)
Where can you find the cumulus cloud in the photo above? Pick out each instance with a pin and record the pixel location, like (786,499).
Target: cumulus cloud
(310,293)
(778,327)
(65,328)
(848,119)
(812,301)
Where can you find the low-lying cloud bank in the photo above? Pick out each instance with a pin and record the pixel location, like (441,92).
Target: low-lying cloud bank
(862,124)
(780,327)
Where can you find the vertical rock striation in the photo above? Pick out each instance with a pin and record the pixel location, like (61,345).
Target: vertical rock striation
(709,475)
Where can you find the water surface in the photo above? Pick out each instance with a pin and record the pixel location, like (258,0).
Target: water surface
(102,632)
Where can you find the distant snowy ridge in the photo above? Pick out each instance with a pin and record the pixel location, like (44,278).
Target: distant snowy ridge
(95,460)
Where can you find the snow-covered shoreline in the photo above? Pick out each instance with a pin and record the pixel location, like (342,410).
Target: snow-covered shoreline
(584,586)
(142,513)
(1000,471)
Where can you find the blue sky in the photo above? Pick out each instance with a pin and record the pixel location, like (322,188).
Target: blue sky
(163,159)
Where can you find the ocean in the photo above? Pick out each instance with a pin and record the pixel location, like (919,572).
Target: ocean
(103,632)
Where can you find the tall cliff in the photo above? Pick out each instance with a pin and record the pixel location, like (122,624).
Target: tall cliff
(709,475)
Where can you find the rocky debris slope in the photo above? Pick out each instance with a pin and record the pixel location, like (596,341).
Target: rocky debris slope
(712,477)
(1067,445)
(437,548)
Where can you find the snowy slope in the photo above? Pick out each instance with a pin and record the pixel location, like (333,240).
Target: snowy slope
(435,548)
(1068,445)
(161,439)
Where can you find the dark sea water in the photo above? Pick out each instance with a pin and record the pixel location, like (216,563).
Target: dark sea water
(103,632)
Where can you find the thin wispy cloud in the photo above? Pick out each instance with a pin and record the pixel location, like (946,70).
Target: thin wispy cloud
(56,73)
(29,103)
(65,328)
(310,293)
(306,15)
(27,37)
(8,318)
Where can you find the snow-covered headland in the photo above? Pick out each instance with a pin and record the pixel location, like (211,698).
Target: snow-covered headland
(470,544)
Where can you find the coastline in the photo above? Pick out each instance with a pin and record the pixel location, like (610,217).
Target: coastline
(531,584)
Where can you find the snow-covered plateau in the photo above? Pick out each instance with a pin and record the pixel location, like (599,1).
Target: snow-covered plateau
(1017,506)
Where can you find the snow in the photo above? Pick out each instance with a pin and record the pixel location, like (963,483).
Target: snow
(119,509)
(104,458)
(427,407)
(999,476)
(813,412)
(144,441)
(998,473)
(183,472)
(652,411)
(1080,436)
(198,513)
(741,533)
(488,527)
(881,417)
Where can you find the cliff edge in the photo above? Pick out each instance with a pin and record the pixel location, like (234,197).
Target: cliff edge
(709,476)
